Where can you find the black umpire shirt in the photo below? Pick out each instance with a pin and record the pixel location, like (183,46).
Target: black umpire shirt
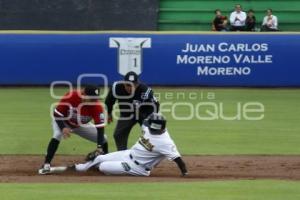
(140,105)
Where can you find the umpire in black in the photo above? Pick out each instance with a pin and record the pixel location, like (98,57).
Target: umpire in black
(136,102)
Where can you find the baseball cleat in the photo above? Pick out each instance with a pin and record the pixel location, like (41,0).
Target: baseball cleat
(46,169)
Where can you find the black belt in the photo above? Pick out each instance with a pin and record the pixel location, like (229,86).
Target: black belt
(136,162)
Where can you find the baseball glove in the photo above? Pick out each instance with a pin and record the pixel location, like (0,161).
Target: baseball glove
(92,155)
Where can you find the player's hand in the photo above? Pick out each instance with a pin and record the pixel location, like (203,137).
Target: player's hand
(109,118)
(66,132)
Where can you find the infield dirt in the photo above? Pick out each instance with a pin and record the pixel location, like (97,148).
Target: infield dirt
(23,168)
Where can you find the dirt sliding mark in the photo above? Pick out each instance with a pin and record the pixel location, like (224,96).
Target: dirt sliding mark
(24,169)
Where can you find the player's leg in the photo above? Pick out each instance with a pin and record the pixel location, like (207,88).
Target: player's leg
(52,148)
(114,168)
(115,156)
(89,132)
(121,133)
(122,167)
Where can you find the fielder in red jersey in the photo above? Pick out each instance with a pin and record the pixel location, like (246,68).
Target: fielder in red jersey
(77,111)
(74,114)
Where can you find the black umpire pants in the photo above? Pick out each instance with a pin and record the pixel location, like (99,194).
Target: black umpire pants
(122,131)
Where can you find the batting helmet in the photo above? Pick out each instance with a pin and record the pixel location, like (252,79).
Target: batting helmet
(156,123)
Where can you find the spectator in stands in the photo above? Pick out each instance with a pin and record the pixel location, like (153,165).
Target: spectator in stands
(270,22)
(238,19)
(220,22)
(250,21)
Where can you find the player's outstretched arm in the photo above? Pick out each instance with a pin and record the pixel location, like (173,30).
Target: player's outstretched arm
(181,165)
(100,144)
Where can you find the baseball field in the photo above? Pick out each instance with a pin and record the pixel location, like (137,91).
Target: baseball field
(238,144)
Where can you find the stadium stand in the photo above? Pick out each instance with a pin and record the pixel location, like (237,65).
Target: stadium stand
(197,15)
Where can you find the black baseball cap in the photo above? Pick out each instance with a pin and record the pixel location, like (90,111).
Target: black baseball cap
(91,90)
(131,77)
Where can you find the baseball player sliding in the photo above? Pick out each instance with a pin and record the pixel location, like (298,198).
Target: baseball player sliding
(154,145)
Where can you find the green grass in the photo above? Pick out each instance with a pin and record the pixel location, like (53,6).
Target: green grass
(214,190)
(26,127)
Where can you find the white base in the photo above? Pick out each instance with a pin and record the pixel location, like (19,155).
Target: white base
(58,169)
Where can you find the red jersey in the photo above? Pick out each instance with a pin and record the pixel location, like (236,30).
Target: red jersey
(78,112)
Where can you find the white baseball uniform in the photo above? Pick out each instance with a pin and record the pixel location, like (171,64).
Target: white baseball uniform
(148,152)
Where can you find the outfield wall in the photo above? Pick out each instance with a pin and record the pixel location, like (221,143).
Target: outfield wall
(78,14)
(198,59)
